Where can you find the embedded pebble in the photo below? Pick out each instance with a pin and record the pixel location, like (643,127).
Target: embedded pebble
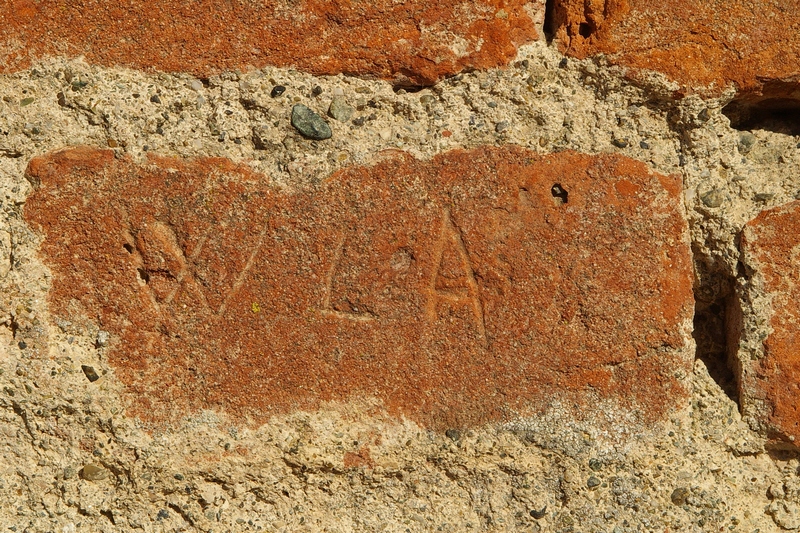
(310,124)
(90,373)
(93,472)
(340,110)
(713,198)
(746,142)
(680,495)
(453,434)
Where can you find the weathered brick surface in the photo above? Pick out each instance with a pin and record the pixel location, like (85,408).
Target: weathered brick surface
(472,287)
(770,385)
(413,42)
(748,42)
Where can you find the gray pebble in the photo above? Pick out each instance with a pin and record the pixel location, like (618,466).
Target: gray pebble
(310,124)
(620,143)
(763,197)
(713,198)
(534,80)
(746,142)
(340,110)
(680,495)
(592,482)
(502,126)
(453,434)
(427,99)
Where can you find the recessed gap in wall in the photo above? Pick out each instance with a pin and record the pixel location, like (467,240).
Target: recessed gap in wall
(407,88)
(711,335)
(776,108)
(549,26)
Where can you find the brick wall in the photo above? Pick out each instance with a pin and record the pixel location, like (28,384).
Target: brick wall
(534,216)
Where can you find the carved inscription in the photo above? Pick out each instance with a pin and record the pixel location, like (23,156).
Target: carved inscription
(353,313)
(452,279)
(454,291)
(163,268)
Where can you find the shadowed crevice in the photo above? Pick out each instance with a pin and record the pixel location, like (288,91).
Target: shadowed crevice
(714,333)
(776,109)
(550,25)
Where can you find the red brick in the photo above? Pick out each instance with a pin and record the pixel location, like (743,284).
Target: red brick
(413,42)
(747,42)
(457,291)
(770,384)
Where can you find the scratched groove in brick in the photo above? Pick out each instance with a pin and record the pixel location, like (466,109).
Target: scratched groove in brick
(410,42)
(457,291)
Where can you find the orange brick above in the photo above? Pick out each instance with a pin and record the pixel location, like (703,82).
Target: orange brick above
(771,384)
(474,287)
(748,42)
(414,42)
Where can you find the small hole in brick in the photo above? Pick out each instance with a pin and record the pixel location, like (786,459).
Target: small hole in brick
(585,30)
(144,275)
(560,194)
(128,248)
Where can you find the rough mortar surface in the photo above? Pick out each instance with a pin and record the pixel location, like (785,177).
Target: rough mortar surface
(74,458)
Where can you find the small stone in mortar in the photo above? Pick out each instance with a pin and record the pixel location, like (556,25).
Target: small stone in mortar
(713,198)
(92,472)
(340,110)
(310,124)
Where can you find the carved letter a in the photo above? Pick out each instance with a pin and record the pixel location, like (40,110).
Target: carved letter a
(452,278)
